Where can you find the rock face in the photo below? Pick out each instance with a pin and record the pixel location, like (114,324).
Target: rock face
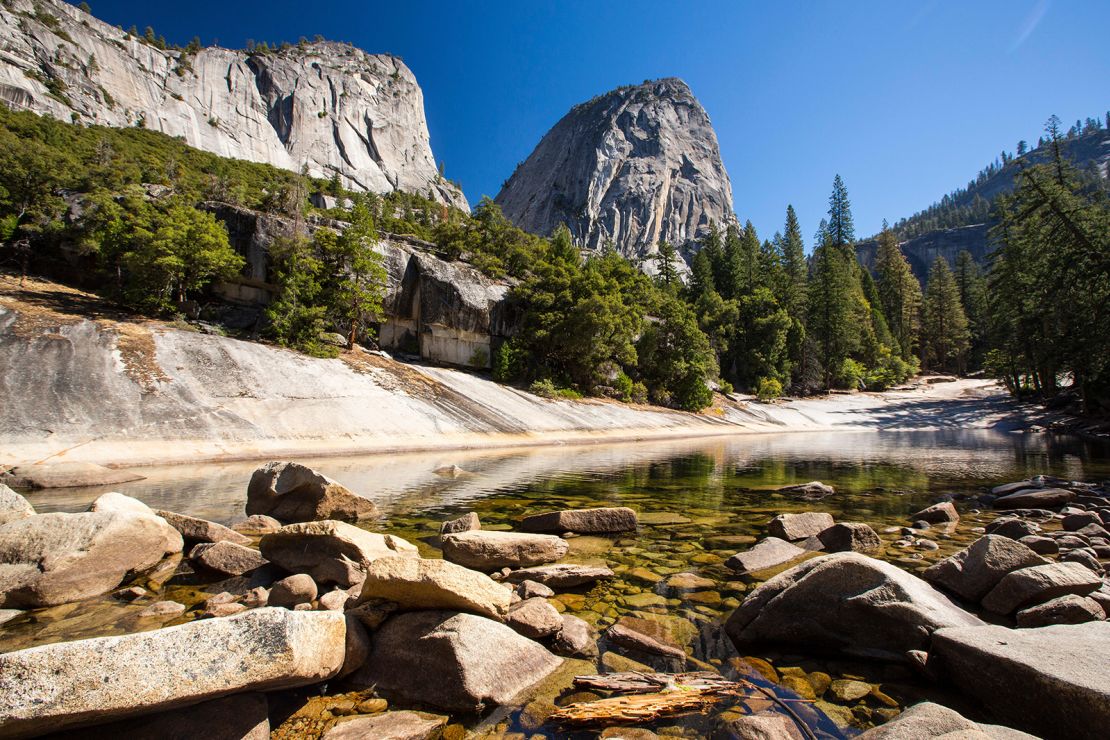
(70,684)
(331,552)
(1062,671)
(328,107)
(435,584)
(452,661)
(583,521)
(493,550)
(291,492)
(632,167)
(50,559)
(847,602)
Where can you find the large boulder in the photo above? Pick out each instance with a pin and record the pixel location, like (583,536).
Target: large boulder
(1038,584)
(331,552)
(202,530)
(850,537)
(494,550)
(1051,681)
(583,521)
(236,717)
(50,559)
(291,492)
(562,575)
(767,553)
(1035,498)
(403,725)
(799,526)
(13,506)
(972,572)
(453,661)
(416,583)
(117,503)
(845,602)
(71,684)
(926,720)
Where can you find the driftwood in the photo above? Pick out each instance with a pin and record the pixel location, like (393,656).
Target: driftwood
(652,696)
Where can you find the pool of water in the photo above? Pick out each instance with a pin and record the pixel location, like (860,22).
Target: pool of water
(699,502)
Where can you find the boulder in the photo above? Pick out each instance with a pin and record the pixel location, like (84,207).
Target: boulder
(582,521)
(453,661)
(291,492)
(257,525)
(1061,672)
(1040,545)
(227,557)
(70,684)
(850,537)
(764,725)
(1008,488)
(799,526)
(845,602)
(926,720)
(200,530)
(415,583)
(561,576)
(811,491)
(295,589)
(624,634)
(117,503)
(1085,557)
(1035,498)
(237,717)
(464,523)
(972,572)
(494,550)
(1078,520)
(535,618)
(404,725)
(51,559)
(576,638)
(13,506)
(1038,584)
(529,589)
(940,513)
(769,552)
(331,552)
(1067,609)
(1012,527)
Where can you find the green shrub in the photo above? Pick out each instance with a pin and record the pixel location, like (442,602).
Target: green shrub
(725,386)
(623,385)
(768,389)
(849,375)
(508,362)
(543,388)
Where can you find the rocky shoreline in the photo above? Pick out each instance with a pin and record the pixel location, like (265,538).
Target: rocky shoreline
(478,640)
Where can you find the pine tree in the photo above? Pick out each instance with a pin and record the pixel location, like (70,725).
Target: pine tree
(944,329)
(830,307)
(794,266)
(665,265)
(972,288)
(899,293)
(842,230)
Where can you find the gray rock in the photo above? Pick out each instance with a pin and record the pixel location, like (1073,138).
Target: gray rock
(295,589)
(561,576)
(576,639)
(582,521)
(1040,545)
(464,523)
(50,559)
(926,720)
(453,661)
(1038,584)
(117,503)
(534,618)
(1072,522)
(530,589)
(67,474)
(1085,557)
(850,536)
(1035,498)
(813,490)
(163,609)
(13,506)
(227,557)
(415,583)
(331,552)
(1062,671)
(238,717)
(492,550)
(598,171)
(769,552)
(403,725)
(1007,488)
(972,572)
(291,492)
(765,725)
(257,525)
(799,526)
(334,601)
(200,530)
(937,513)
(845,602)
(71,684)
(1067,609)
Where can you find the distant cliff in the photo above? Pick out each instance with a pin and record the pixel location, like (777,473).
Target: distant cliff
(634,166)
(325,106)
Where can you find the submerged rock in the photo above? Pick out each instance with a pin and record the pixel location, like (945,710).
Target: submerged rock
(1035,498)
(493,550)
(71,684)
(812,491)
(799,526)
(1040,583)
(453,661)
(13,506)
(972,572)
(767,553)
(582,521)
(845,602)
(415,583)
(51,559)
(1051,681)
(291,492)
(563,575)
(331,552)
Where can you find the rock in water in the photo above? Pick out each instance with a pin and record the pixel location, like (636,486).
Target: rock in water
(850,536)
(464,523)
(1061,671)
(331,552)
(562,575)
(13,506)
(812,491)
(405,725)
(453,661)
(847,602)
(926,720)
(799,526)
(66,474)
(635,166)
(227,558)
(294,493)
(71,684)
(767,553)
(1035,498)
(583,521)
(974,571)
(535,618)
(202,530)
(492,550)
(940,513)
(50,559)
(1067,609)
(1040,583)
(415,583)
(576,639)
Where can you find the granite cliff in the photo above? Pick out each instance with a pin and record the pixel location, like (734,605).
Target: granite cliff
(632,167)
(327,107)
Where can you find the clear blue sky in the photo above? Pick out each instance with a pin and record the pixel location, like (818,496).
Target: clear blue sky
(906,100)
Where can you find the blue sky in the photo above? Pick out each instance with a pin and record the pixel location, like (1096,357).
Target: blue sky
(906,100)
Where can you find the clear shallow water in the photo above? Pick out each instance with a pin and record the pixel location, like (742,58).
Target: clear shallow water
(700,502)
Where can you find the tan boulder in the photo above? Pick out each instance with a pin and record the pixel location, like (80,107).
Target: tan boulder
(291,492)
(331,552)
(494,550)
(13,506)
(416,583)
